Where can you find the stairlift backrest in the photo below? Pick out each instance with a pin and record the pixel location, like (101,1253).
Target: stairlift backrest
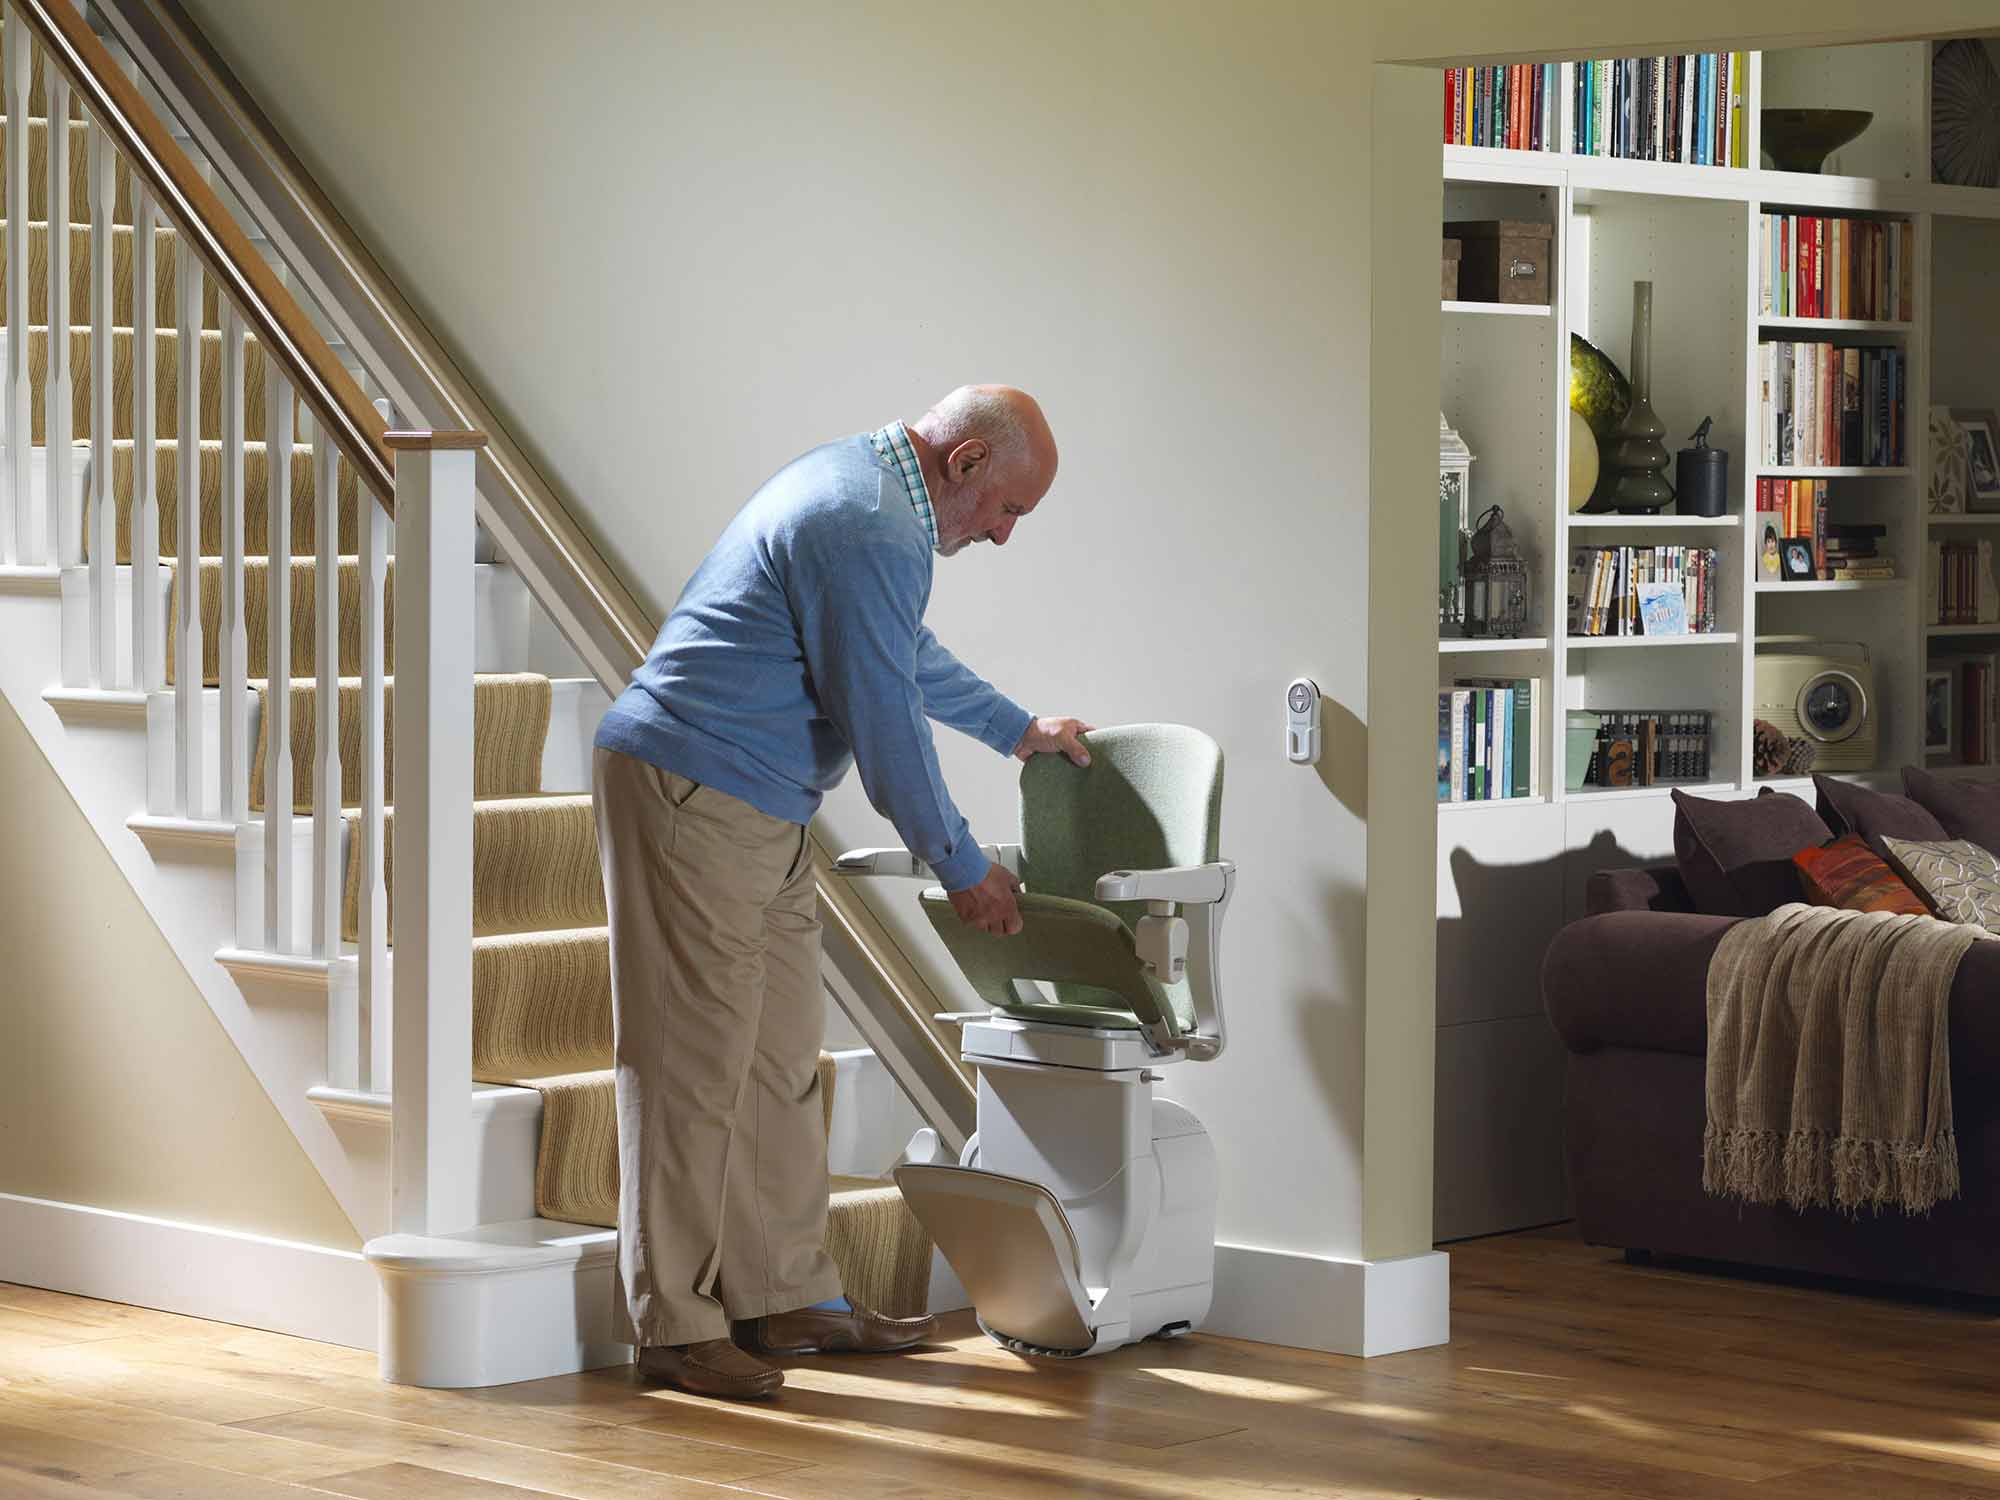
(1150,798)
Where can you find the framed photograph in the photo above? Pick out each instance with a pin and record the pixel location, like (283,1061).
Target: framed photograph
(1937,713)
(1982,458)
(1768,570)
(1795,558)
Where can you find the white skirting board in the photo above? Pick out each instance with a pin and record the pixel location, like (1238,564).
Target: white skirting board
(1339,1306)
(220,1274)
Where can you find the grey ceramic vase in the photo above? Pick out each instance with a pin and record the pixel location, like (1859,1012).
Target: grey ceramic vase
(1639,454)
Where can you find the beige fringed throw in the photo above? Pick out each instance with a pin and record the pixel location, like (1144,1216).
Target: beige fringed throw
(1829,1070)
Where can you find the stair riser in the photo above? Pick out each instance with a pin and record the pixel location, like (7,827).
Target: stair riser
(166,387)
(499,626)
(79,173)
(529,873)
(256,536)
(541,1005)
(508,734)
(304,617)
(166,309)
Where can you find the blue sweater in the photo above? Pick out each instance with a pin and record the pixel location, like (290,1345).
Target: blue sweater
(799,647)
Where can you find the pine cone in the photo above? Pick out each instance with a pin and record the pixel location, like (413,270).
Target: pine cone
(1769,748)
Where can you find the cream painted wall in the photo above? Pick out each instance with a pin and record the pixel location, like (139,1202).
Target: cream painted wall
(677,243)
(118,1087)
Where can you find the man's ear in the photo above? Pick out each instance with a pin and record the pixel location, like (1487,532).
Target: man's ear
(966,459)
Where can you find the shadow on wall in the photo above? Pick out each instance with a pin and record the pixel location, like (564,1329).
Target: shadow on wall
(1498,1119)
(1343,756)
(1329,1013)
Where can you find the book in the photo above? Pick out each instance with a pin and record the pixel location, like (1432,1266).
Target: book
(1663,608)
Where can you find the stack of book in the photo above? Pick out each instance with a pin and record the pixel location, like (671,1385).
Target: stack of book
(1642,590)
(1517,107)
(1814,267)
(1852,552)
(1959,583)
(1489,739)
(1680,109)
(1790,508)
(1645,747)
(1973,681)
(1824,406)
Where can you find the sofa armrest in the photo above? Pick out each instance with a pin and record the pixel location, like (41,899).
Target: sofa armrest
(1654,888)
(1633,979)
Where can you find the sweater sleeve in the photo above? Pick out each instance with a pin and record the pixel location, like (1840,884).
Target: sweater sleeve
(957,696)
(861,632)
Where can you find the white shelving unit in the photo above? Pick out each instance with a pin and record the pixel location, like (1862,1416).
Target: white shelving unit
(1496,309)
(1510,873)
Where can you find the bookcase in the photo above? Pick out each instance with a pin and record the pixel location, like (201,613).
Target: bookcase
(1510,872)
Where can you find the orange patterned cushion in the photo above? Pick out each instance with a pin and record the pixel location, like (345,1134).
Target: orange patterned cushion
(1847,873)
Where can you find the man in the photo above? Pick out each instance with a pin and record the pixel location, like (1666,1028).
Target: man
(797,648)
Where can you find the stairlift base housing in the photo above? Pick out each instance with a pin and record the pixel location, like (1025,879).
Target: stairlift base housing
(1082,1214)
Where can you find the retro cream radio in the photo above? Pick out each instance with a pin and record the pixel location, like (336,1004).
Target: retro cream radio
(1824,693)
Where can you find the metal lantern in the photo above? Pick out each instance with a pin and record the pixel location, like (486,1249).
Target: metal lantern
(1496,580)
(1454,525)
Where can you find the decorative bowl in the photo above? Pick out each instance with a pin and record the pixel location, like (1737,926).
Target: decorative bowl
(1800,140)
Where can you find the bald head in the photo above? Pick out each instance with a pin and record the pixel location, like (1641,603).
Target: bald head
(989,457)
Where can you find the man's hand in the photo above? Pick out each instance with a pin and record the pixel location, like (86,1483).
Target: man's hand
(1049,736)
(990,906)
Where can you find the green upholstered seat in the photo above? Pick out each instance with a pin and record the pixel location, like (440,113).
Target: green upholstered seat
(1151,797)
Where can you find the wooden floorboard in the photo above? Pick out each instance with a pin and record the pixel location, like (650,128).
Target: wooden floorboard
(1570,1376)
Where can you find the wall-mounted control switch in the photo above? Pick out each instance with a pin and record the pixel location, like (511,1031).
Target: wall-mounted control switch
(1302,721)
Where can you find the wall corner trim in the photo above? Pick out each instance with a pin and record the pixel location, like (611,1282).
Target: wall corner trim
(1359,1307)
(225,1275)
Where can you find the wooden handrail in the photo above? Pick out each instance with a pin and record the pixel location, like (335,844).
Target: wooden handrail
(114,103)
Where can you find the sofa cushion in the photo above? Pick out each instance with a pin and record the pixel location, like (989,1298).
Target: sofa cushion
(1958,880)
(1846,808)
(1736,857)
(1848,873)
(1966,809)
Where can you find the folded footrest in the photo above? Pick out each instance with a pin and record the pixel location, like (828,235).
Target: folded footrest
(1013,1249)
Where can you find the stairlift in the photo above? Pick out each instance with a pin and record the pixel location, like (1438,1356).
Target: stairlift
(1081,1214)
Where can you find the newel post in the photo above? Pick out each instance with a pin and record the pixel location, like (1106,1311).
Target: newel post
(431,864)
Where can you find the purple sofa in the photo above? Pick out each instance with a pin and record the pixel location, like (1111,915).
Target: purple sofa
(1626,987)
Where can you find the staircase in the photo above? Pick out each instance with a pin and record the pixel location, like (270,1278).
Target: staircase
(201,549)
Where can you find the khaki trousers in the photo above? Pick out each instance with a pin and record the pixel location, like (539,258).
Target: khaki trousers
(718,1016)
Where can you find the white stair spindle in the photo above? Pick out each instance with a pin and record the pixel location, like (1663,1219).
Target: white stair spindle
(190,724)
(19,535)
(372,918)
(430,1138)
(58,419)
(278,653)
(103,500)
(343,1017)
(233,643)
(149,667)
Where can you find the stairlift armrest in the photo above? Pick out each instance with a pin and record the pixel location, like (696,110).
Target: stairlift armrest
(1205,890)
(902,864)
(1193,884)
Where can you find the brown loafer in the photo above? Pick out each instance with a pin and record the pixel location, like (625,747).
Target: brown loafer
(714,1367)
(815,1330)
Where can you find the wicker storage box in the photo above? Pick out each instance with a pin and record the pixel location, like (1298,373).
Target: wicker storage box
(1453,249)
(1506,260)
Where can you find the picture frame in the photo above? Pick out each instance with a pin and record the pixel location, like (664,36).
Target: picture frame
(1795,559)
(1937,713)
(1982,458)
(1768,570)
(1947,478)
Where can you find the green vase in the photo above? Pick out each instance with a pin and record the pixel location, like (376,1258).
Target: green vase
(1639,454)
